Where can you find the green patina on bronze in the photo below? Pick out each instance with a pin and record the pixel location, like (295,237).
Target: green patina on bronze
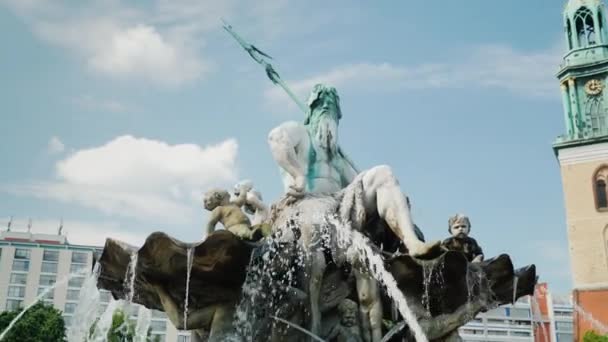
(583,74)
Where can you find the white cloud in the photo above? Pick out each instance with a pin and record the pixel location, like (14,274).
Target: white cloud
(80,232)
(55,145)
(495,66)
(140,178)
(142,52)
(114,38)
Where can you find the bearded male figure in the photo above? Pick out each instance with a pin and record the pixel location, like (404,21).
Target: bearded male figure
(311,161)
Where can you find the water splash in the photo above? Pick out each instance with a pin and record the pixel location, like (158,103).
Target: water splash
(358,247)
(601,327)
(283,258)
(189,260)
(143,324)
(104,323)
(40,296)
(85,313)
(129,282)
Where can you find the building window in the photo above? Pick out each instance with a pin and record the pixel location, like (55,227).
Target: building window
(104,296)
(49,295)
(21,253)
(583,19)
(13,304)
(49,267)
(158,314)
(67,319)
(594,109)
(69,308)
(76,282)
(183,338)
(50,255)
(18,278)
(21,265)
(16,291)
(79,257)
(75,268)
(568,326)
(158,337)
(599,188)
(47,280)
(72,295)
(158,326)
(497,332)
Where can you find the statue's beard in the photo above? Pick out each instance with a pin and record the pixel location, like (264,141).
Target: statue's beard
(324,131)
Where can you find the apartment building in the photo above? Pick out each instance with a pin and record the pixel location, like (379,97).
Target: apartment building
(32,264)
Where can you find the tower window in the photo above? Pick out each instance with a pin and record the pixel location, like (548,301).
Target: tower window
(585,28)
(569,33)
(594,111)
(599,184)
(600,188)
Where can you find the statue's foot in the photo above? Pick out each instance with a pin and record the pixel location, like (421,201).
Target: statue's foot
(425,250)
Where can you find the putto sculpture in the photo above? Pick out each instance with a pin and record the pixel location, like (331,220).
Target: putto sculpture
(459,227)
(338,256)
(228,213)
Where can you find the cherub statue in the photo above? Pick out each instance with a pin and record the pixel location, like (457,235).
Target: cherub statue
(348,329)
(251,201)
(228,213)
(459,227)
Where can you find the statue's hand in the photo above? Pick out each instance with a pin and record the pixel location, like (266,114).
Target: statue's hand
(297,188)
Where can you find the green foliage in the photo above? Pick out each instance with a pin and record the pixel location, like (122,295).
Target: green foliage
(41,323)
(122,329)
(591,336)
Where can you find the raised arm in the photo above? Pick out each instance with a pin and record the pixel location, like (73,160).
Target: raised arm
(286,141)
(214,218)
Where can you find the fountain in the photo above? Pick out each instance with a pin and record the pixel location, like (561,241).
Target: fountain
(338,258)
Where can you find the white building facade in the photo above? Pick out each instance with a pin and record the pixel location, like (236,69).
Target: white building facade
(33,263)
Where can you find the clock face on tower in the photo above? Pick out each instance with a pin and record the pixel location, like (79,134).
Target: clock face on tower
(594,87)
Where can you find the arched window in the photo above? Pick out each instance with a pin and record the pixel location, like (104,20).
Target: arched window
(593,110)
(585,29)
(569,33)
(600,25)
(600,189)
(600,180)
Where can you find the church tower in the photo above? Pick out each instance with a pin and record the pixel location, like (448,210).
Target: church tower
(582,153)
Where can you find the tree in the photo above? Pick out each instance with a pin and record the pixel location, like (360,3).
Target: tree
(592,336)
(42,322)
(122,329)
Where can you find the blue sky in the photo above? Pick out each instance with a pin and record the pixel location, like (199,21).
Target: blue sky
(117,116)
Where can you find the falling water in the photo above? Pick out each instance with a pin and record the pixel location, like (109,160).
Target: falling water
(130,278)
(86,311)
(266,282)
(104,324)
(601,327)
(143,324)
(189,261)
(40,296)
(536,312)
(358,248)
(427,275)
(515,280)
